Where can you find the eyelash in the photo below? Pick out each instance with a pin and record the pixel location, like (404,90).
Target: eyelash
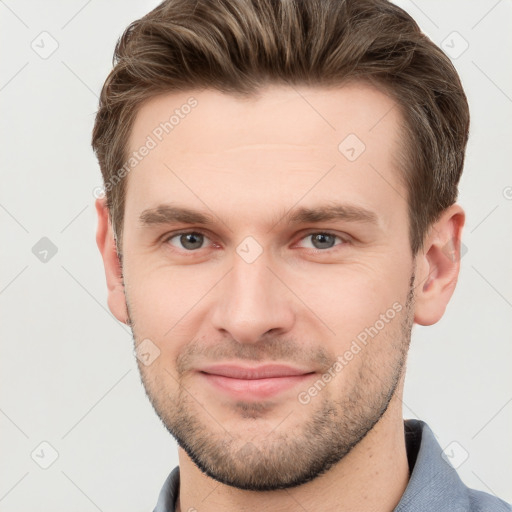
(168,237)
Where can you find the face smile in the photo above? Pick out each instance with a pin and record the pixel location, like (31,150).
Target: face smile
(256,383)
(255,252)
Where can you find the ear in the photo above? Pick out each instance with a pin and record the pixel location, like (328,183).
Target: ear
(113,273)
(438,266)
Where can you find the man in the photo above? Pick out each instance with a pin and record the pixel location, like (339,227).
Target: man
(280,182)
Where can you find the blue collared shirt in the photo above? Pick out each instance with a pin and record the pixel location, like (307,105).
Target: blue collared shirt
(434,485)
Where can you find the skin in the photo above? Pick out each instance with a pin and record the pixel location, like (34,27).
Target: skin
(247,163)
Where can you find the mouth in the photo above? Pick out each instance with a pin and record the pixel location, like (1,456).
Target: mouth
(243,382)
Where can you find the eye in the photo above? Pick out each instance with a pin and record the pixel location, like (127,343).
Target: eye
(189,240)
(322,240)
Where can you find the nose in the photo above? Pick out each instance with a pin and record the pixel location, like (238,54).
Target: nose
(252,301)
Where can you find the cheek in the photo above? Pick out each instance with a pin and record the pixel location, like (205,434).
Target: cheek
(168,303)
(162,302)
(348,299)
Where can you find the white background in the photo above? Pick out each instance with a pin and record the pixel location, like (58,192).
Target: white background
(67,370)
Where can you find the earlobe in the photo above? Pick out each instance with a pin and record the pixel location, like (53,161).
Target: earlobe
(438,266)
(113,271)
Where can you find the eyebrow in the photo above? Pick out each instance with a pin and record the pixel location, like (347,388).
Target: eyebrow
(171,214)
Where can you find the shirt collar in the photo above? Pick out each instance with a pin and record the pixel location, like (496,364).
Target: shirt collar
(434,483)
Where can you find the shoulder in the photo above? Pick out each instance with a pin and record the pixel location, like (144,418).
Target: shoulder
(482,502)
(434,483)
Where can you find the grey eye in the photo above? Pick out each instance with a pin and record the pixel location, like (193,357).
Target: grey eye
(322,240)
(189,241)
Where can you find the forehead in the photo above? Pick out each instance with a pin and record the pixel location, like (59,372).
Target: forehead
(208,120)
(208,147)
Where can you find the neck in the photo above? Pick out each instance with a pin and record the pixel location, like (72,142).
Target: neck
(372,477)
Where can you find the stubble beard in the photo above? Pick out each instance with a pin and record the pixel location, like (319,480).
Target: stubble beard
(288,457)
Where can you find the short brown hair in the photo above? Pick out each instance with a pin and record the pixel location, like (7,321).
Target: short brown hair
(238,46)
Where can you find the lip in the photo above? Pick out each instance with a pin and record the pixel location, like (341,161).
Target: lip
(266,371)
(259,382)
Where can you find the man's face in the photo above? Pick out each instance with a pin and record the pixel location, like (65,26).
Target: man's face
(282,337)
